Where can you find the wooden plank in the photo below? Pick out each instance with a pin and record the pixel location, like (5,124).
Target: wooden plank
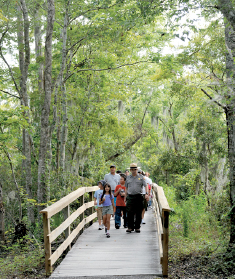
(66,212)
(92,189)
(46,229)
(159,228)
(126,254)
(165,243)
(158,215)
(59,205)
(54,234)
(74,233)
(81,217)
(163,204)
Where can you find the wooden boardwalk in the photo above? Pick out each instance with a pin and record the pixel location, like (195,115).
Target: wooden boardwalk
(94,255)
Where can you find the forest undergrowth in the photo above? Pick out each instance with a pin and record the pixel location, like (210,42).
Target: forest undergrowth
(198,245)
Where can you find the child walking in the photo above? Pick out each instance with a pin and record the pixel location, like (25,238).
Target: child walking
(106,199)
(97,194)
(120,204)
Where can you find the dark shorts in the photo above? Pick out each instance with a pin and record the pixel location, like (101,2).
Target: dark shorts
(145,203)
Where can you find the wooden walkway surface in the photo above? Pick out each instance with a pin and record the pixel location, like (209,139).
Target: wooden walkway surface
(122,254)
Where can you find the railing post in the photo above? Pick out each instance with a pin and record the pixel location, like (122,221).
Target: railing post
(66,211)
(47,230)
(91,211)
(165,243)
(81,199)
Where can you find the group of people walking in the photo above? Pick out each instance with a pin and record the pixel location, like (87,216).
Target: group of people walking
(123,194)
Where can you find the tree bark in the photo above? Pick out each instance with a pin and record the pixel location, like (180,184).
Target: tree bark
(205,172)
(24,61)
(227,9)
(2,211)
(230,117)
(38,48)
(64,130)
(45,127)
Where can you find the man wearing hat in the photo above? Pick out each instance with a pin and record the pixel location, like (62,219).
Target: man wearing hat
(112,178)
(134,201)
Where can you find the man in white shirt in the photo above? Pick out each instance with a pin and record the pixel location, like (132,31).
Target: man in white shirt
(112,178)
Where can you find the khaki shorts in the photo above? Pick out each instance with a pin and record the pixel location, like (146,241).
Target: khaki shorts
(99,213)
(107,210)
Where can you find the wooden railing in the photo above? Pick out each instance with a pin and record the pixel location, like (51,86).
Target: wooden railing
(162,211)
(64,204)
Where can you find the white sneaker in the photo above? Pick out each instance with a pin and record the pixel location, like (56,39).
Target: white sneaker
(143,222)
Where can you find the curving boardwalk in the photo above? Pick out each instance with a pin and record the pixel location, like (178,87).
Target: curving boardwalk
(121,256)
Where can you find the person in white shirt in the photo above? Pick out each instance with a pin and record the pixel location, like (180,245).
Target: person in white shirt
(112,178)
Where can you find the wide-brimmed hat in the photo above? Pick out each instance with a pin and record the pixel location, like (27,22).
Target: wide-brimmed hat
(133,166)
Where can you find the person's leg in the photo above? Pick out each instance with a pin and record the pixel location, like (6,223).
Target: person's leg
(130,212)
(143,211)
(104,222)
(138,209)
(108,217)
(118,217)
(124,216)
(99,215)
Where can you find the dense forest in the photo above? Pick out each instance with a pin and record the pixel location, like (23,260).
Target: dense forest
(88,83)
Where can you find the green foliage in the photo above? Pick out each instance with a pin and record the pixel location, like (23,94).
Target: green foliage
(193,227)
(21,260)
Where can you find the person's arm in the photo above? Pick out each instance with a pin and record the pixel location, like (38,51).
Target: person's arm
(116,191)
(113,203)
(101,200)
(125,194)
(95,201)
(146,189)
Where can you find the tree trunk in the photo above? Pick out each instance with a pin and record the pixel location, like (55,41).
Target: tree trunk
(2,211)
(63,91)
(230,117)
(205,172)
(38,48)
(45,127)
(24,61)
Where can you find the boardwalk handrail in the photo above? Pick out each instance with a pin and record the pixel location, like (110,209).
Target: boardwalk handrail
(64,204)
(162,211)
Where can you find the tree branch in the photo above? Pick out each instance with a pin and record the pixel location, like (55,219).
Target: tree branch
(109,68)
(9,94)
(91,10)
(3,58)
(145,112)
(138,136)
(220,105)
(127,146)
